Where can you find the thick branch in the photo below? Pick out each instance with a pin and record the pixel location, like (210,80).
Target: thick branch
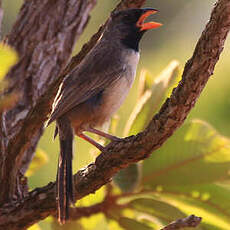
(44,35)
(41,202)
(44,42)
(190,221)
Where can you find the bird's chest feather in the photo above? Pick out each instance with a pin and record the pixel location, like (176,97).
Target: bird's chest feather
(114,95)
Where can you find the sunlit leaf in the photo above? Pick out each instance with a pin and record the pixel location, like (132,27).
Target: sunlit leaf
(137,118)
(128,179)
(211,214)
(127,212)
(8,57)
(181,172)
(209,226)
(38,161)
(152,221)
(131,224)
(91,199)
(157,208)
(213,198)
(153,209)
(34,227)
(153,206)
(145,82)
(151,99)
(114,225)
(195,154)
(113,124)
(151,94)
(94,222)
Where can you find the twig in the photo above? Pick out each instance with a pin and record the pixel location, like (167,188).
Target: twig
(104,207)
(190,221)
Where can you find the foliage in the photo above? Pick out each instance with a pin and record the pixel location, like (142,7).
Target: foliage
(39,160)
(8,58)
(188,175)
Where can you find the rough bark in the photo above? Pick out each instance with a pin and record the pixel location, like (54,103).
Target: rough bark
(43,35)
(41,202)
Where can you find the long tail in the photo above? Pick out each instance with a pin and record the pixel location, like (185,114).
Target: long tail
(65,192)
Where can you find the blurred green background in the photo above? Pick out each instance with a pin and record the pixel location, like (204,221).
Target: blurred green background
(183,22)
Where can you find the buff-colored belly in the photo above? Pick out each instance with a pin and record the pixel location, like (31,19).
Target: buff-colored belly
(113,97)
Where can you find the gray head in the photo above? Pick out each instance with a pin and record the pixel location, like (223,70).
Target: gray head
(128,26)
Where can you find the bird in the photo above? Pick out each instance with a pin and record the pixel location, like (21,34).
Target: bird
(95,90)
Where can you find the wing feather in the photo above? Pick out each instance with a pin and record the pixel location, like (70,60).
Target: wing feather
(94,74)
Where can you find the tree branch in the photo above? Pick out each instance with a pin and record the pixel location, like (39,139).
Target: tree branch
(44,43)
(41,202)
(44,36)
(190,221)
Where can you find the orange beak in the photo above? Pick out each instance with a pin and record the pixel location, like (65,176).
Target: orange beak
(148,25)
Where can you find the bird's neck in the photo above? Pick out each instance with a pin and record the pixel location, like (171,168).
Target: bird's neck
(128,37)
(132,40)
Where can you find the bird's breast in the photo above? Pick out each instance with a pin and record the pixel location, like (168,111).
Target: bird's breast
(114,95)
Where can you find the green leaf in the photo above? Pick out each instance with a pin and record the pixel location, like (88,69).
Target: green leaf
(38,161)
(157,208)
(211,212)
(145,82)
(92,199)
(34,227)
(151,94)
(131,224)
(211,201)
(138,116)
(150,99)
(195,154)
(94,222)
(209,226)
(8,58)
(128,179)
(153,207)
(112,224)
